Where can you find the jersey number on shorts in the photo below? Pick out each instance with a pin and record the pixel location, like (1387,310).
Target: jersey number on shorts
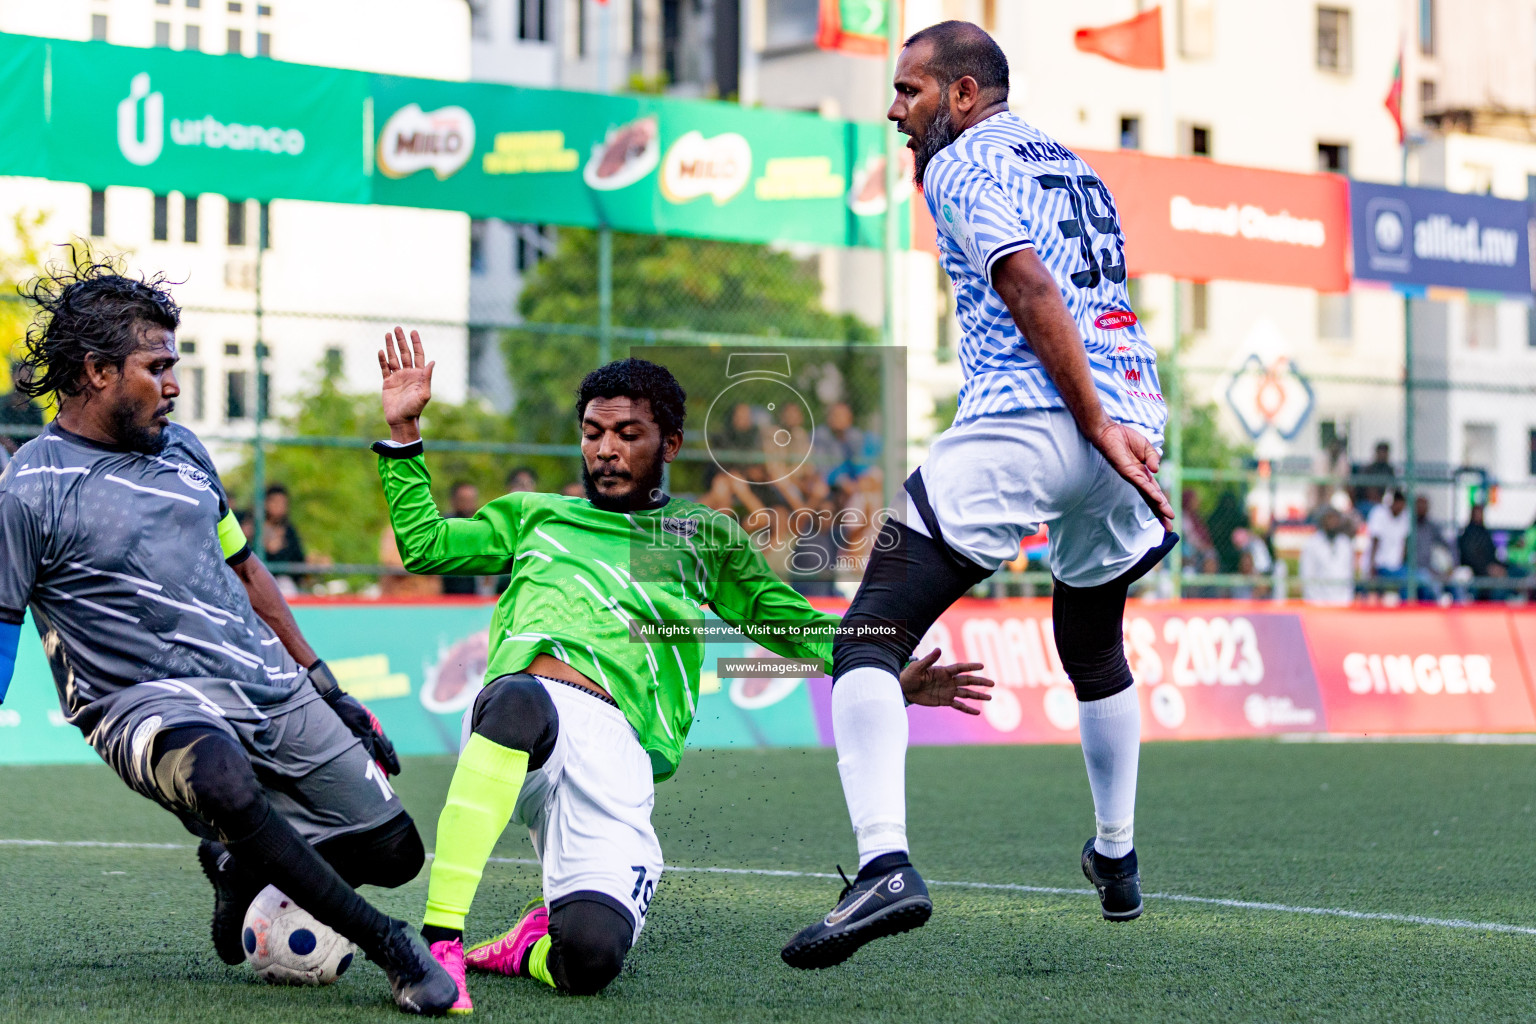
(645,888)
(1087,193)
(375,774)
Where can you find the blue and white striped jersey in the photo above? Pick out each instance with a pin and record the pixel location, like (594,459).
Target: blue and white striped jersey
(1002,186)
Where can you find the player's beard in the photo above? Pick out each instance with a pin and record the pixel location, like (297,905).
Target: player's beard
(646,492)
(148,439)
(939,134)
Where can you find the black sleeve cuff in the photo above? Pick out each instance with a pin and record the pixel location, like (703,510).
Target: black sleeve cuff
(398,451)
(12,617)
(239,556)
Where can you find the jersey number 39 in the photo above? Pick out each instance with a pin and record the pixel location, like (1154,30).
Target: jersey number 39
(1087,193)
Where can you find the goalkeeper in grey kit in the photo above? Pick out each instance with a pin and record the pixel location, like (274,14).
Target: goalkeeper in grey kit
(172,649)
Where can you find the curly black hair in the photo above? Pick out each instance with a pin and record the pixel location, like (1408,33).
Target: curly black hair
(87,306)
(637,378)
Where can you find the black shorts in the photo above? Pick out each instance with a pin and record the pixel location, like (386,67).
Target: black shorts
(315,772)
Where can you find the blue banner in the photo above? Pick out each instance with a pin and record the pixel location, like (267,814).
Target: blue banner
(1425,238)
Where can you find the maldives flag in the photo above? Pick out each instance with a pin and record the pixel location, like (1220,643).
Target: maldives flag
(1394,101)
(853,26)
(1137,42)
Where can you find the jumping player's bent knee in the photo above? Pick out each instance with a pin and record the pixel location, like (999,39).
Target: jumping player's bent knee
(515,711)
(589,939)
(1088,627)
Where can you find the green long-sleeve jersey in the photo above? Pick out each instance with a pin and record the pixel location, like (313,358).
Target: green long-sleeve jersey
(582,578)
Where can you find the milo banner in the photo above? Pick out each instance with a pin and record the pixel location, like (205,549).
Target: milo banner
(262,129)
(1204,670)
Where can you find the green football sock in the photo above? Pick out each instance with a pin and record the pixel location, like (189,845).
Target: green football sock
(480,801)
(538,962)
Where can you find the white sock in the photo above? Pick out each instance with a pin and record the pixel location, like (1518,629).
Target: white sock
(869,721)
(1111,730)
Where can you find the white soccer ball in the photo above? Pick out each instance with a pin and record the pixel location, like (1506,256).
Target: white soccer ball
(286,946)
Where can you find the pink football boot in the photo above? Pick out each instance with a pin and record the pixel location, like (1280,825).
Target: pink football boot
(450,953)
(505,954)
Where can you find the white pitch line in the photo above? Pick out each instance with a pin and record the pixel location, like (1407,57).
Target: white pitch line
(1047,890)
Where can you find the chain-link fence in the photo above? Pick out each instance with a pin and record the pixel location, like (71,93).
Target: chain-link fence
(287,400)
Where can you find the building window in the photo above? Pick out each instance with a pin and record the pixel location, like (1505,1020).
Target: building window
(533,243)
(194,4)
(232,349)
(1195,139)
(1482,326)
(1532,465)
(98,213)
(1479,445)
(264,225)
(235,7)
(1426,94)
(1196,303)
(1333,156)
(162,3)
(99,28)
(193,39)
(162,218)
(1333,39)
(189,218)
(237,387)
(263,44)
(532,21)
(1130,133)
(1427,27)
(232,41)
(477,246)
(335,361)
(196,380)
(263,11)
(236,233)
(163,33)
(1197,28)
(1335,316)
(479,23)
(581,28)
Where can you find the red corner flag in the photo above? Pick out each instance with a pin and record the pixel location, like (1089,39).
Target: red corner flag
(1137,42)
(1394,101)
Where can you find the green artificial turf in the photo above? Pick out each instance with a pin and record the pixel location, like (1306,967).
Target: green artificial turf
(1442,831)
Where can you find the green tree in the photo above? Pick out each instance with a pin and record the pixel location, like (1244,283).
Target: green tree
(337,503)
(660,284)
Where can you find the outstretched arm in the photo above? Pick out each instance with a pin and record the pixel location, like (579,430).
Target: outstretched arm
(1034,298)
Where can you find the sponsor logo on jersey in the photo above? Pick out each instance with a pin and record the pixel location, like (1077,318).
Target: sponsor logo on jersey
(416,140)
(695,166)
(193,477)
(1115,320)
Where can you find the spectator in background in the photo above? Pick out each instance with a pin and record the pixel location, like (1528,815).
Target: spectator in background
(1332,469)
(522,478)
(280,541)
(574,489)
(1432,561)
(739,435)
(402,583)
(1328,562)
(840,448)
(464,502)
(18,410)
(1374,479)
(1253,560)
(1522,550)
(1387,527)
(1480,554)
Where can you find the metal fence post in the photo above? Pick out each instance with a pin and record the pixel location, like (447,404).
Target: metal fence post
(1410,453)
(1173,443)
(891,405)
(258,449)
(604,295)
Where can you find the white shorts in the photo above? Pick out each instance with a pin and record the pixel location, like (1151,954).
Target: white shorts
(994,480)
(588,809)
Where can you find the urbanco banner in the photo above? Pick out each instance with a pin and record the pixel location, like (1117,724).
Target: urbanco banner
(263,129)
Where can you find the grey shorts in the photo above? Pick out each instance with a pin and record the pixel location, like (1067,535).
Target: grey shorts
(315,772)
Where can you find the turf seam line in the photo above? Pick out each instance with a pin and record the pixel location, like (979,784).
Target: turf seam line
(1047,890)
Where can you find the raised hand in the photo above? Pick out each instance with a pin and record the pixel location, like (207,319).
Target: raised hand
(407,384)
(1135,459)
(944,686)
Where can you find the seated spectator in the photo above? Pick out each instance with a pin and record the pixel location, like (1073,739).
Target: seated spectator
(1328,562)
(1387,527)
(574,489)
(465,502)
(1432,560)
(402,584)
(1478,552)
(522,478)
(841,449)
(738,437)
(1332,470)
(1253,559)
(280,541)
(1374,479)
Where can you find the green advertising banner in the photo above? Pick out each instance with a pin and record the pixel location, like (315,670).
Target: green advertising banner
(262,129)
(418,667)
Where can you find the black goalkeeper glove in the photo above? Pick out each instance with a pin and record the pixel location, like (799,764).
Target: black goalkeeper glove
(355,717)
